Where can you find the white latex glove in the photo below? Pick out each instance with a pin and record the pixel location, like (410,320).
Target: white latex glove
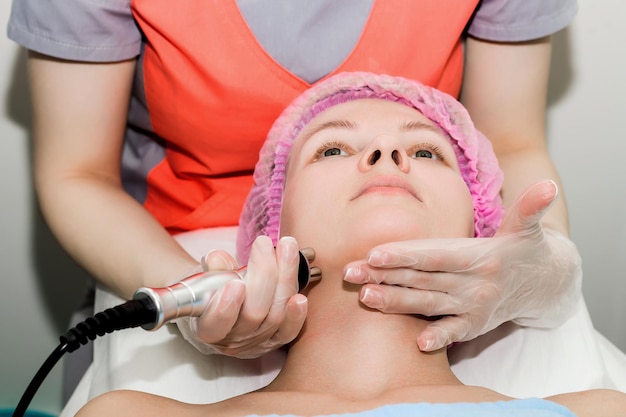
(246,320)
(526,273)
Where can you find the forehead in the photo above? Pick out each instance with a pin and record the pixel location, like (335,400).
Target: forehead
(366,108)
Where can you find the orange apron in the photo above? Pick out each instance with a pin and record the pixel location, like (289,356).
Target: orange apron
(213,92)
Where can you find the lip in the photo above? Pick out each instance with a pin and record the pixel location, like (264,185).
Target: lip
(386,185)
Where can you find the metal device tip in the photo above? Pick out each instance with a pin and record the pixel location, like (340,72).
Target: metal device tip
(308,253)
(316,274)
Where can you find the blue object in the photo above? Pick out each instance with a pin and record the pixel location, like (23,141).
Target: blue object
(529,407)
(8,412)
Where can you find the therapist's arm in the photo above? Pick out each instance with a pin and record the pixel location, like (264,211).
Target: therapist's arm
(79,112)
(505,91)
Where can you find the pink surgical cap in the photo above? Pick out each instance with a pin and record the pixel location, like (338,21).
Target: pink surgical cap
(476,159)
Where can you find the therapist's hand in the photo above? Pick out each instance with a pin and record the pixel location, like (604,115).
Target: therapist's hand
(526,273)
(251,319)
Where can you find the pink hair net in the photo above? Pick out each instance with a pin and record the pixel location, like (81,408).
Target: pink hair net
(476,159)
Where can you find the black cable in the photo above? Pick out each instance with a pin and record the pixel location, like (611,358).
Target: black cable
(39,377)
(133,313)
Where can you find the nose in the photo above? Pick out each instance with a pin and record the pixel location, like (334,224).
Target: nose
(384,149)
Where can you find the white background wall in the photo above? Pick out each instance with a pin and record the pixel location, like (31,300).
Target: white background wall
(39,285)
(587,137)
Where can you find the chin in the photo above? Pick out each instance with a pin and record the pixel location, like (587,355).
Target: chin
(393,226)
(359,242)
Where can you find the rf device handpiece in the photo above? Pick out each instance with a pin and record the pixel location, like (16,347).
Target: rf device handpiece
(150,308)
(191,296)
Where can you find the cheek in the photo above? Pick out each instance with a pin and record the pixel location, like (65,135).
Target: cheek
(288,216)
(459,206)
(313,212)
(304,205)
(449,202)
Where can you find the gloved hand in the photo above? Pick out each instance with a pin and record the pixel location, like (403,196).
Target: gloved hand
(526,273)
(246,320)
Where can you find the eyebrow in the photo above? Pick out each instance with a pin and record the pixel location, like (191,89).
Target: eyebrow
(418,125)
(333,124)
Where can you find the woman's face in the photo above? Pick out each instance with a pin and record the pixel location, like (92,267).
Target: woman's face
(372,171)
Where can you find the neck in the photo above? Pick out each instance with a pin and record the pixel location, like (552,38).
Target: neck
(355,352)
